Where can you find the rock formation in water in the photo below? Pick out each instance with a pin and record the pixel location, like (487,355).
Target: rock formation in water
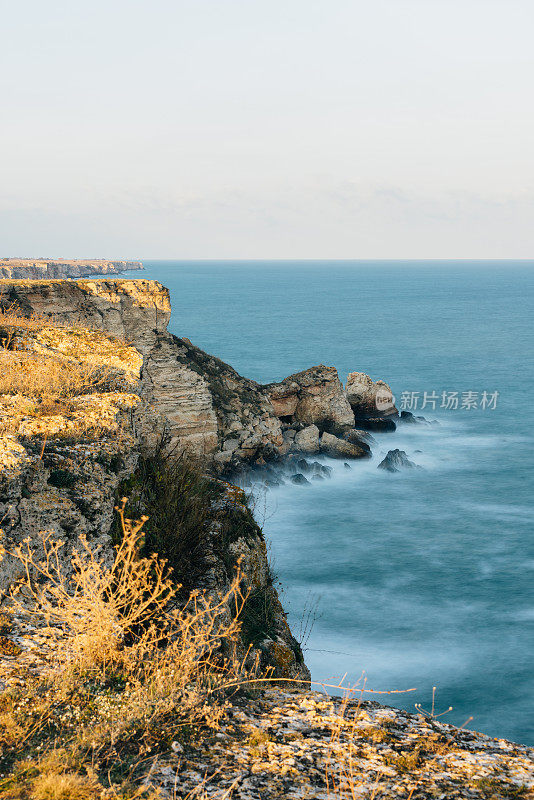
(28,268)
(313,397)
(372,402)
(396,460)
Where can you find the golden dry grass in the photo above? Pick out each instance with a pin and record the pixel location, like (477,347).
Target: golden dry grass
(46,377)
(133,672)
(13,320)
(38,383)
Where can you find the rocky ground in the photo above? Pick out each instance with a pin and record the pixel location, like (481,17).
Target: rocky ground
(296,743)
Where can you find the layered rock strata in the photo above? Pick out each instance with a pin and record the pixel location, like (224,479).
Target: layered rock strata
(65,458)
(208,407)
(61,268)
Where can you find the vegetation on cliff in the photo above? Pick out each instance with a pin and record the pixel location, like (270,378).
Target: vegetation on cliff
(132,659)
(135,672)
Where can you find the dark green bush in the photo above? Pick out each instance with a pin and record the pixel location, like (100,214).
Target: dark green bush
(179,501)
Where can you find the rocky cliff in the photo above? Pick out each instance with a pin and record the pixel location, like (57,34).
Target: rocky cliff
(62,268)
(65,465)
(94,394)
(208,407)
(84,415)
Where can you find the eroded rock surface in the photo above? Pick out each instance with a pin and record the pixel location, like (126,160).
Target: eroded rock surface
(314,397)
(369,399)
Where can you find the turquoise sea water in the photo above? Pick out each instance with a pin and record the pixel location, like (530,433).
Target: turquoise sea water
(422,578)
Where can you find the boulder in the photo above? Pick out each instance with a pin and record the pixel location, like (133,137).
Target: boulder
(307,440)
(396,460)
(340,448)
(359,438)
(368,398)
(314,397)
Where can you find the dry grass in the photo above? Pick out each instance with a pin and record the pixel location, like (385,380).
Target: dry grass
(134,672)
(47,378)
(36,375)
(37,385)
(13,322)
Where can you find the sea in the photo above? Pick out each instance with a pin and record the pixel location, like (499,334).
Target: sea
(422,578)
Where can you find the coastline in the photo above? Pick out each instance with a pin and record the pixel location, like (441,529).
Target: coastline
(64,480)
(35,269)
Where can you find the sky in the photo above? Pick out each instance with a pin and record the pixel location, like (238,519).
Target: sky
(267,129)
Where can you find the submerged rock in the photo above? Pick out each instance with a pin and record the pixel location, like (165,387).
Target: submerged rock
(322,470)
(411,419)
(377,424)
(299,479)
(396,460)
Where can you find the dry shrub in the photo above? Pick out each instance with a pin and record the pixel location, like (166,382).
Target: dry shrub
(13,321)
(342,774)
(141,667)
(40,376)
(66,786)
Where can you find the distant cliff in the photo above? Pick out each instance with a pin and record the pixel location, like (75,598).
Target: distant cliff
(62,268)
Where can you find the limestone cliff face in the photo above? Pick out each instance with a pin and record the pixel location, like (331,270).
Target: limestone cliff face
(62,268)
(210,409)
(207,406)
(64,458)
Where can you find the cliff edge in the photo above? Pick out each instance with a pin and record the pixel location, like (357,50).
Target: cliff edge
(86,417)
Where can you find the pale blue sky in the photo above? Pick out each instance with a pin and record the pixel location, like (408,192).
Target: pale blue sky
(267,128)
